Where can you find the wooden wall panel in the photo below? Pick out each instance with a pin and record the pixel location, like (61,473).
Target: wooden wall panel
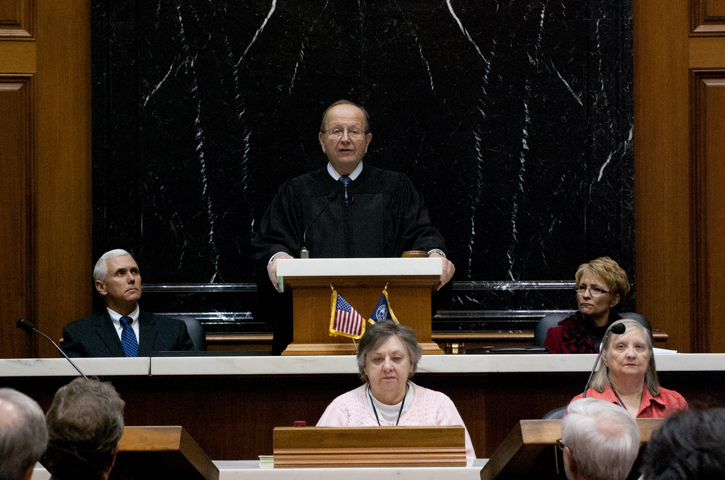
(63,181)
(708,186)
(661,175)
(45,163)
(707,17)
(16,18)
(16,160)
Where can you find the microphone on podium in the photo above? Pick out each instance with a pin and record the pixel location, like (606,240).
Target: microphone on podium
(618,329)
(29,327)
(304,253)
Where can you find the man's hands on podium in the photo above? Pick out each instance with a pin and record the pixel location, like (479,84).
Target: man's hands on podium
(272,267)
(448,270)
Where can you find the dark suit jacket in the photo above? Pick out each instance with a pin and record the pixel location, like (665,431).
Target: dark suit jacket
(95,336)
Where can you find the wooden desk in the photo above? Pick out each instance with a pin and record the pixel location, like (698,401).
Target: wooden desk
(230,405)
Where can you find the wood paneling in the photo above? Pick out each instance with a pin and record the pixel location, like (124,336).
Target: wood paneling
(707,17)
(16,18)
(63,180)
(661,139)
(16,160)
(708,226)
(679,177)
(45,158)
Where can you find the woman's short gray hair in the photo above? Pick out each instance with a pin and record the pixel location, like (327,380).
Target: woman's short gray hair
(378,333)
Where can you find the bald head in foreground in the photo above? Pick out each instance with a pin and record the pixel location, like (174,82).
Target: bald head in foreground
(600,440)
(23,435)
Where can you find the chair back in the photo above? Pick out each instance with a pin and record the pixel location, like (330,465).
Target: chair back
(196,332)
(553,319)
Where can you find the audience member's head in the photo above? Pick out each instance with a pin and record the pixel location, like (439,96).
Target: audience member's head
(23,434)
(600,440)
(85,424)
(689,444)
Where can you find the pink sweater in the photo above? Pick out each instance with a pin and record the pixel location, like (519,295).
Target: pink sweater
(429,407)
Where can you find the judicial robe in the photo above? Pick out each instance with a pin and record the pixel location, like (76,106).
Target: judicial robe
(383,217)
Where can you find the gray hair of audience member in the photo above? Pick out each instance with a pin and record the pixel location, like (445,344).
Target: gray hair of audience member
(100,271)
(601,377)
(377,334)
(85,423)
(323,125)
(603,438)
(688,444)
(23,434)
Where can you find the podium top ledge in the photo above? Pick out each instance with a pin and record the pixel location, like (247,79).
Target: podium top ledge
(358,267)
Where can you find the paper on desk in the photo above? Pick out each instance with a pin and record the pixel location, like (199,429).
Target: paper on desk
(662,351)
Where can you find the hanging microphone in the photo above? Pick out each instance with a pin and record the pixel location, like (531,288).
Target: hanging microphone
(29,327)
(618,329)
(304,253)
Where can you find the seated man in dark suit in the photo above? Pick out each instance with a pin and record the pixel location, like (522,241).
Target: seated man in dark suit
(122,330)
(85,425)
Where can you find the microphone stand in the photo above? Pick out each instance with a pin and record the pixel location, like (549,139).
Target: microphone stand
(30,328)
(618,329)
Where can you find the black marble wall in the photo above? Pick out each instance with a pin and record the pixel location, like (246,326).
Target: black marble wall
(513,118)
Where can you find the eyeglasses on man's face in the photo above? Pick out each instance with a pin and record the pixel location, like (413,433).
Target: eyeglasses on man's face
(336,132)
(594,291)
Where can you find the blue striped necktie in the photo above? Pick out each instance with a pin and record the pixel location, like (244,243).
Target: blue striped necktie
(345,181)
(128,338)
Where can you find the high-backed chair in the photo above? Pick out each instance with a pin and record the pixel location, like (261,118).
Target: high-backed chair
(553,319)
(196,332)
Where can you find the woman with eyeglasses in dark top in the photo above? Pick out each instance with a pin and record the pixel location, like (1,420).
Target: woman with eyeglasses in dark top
(601,286)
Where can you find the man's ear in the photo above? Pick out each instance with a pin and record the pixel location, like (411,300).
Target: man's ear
(570,461)
(322,144)
(101,287)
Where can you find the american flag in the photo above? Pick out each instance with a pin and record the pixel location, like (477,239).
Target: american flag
(345,320)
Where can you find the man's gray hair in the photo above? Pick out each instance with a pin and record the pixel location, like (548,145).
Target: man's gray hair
(85,423)
(603,438)
(100,271)
(23,434)
(378,333)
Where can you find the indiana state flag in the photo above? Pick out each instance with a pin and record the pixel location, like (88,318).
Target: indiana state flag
(382,309)
(344,320)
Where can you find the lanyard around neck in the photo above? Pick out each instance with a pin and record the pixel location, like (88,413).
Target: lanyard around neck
(375,410)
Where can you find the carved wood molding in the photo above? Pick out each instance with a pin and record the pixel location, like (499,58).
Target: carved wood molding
(700,316)
(17,19)
(707,17)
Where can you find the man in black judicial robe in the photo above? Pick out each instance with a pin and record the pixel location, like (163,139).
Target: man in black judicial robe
(377,214)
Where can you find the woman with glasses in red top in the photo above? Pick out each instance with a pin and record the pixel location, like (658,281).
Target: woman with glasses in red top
(601,286)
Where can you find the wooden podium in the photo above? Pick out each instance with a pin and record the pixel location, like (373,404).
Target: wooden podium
(342,447)
(528,450)
(161,452)
(360,281)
